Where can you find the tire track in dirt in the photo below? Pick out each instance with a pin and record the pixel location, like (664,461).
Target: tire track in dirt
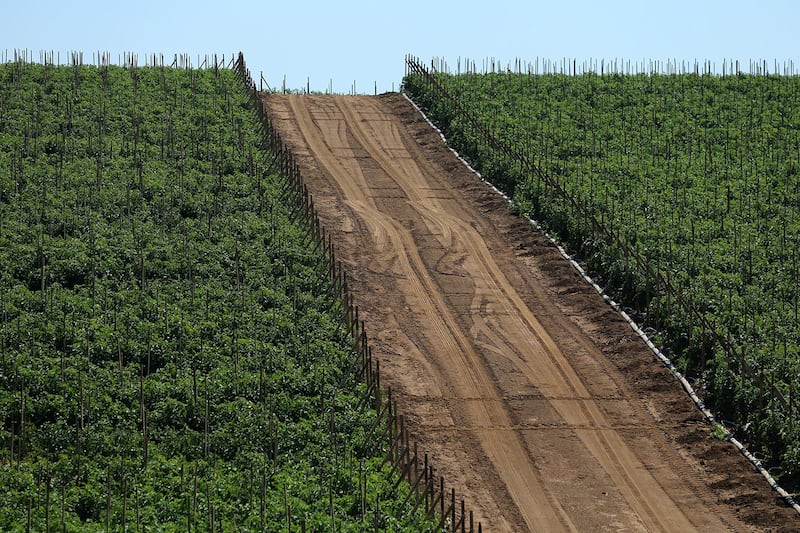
(469,379)
(543,418)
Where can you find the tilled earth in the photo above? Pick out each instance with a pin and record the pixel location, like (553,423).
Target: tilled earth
(530,394)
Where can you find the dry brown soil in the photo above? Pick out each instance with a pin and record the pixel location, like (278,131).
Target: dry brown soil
(531,395)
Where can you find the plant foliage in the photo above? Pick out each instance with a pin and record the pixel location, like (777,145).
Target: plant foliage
(172,355)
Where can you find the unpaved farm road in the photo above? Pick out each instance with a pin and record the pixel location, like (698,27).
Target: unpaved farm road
(532,397)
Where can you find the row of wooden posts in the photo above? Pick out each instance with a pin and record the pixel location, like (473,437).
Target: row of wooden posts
(428,489)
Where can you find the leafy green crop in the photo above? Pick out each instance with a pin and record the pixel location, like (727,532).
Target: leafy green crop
(172,355)
(697,175)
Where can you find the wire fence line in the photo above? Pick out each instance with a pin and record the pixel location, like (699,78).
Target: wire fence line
(102,58)
(428,489)
(617,66)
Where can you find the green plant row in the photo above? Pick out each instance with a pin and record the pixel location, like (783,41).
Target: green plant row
(696,175)
(172,354)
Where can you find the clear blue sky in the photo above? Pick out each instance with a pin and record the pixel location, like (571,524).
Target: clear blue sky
(366,42)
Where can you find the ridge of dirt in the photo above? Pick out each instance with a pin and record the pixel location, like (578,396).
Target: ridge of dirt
(530,393)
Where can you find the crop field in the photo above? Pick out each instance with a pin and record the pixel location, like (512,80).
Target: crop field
(172,352)
(229,310)
(682,192)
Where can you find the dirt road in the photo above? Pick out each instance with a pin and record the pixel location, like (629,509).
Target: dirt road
(529,393)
